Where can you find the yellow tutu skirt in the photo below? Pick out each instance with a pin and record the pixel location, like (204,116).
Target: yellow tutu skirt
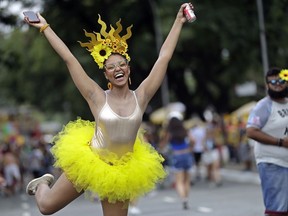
(111,178)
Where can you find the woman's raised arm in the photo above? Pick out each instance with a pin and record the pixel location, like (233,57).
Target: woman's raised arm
(83,82)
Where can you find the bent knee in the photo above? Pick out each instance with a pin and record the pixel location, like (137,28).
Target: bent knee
(46,208)
(46,211)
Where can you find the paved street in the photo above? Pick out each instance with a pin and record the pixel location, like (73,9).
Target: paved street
(239,195)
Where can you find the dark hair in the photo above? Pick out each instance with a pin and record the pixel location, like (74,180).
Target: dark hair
(176,130)
(271,72)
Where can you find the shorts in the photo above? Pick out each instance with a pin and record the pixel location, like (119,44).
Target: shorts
(11,173)
(197,157)
(182,162)
(211,156)
(274,185)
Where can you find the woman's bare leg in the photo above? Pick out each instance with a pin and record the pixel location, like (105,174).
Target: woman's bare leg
(51,200)
(115,209)
(216,172)
(183,187)
(180,187)
(187,183)
(209,172)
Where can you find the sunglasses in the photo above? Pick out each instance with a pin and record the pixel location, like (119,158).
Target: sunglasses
(277,81)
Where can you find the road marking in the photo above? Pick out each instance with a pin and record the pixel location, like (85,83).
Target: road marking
(169,199)
(24,205)
(204,209)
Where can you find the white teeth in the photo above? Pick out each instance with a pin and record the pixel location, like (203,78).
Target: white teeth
(119,75)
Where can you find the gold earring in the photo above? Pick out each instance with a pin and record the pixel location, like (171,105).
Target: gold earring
(129,80)
(109,86)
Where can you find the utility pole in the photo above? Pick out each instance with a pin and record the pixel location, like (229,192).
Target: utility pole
(262,36)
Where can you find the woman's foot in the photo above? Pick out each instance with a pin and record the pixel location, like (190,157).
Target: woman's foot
(32,185)
(185,205)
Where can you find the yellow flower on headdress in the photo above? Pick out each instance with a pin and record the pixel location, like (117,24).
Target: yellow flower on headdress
(127,57)
(103,44)
(100,53)
(284,74)
(106,42)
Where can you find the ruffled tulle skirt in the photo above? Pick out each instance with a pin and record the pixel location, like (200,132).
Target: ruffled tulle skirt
(109,177)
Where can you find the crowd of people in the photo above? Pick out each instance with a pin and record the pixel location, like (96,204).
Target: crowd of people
(211,148)
(24,153)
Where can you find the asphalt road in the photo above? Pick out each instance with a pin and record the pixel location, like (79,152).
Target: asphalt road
(236,197)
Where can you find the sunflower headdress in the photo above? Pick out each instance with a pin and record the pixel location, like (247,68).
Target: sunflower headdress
(284,74)
(103,44)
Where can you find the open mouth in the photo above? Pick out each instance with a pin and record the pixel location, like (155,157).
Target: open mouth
(119,75)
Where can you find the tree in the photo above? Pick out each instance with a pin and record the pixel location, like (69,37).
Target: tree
(218,51)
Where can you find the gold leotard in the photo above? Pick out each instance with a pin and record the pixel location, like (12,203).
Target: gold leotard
(116,133)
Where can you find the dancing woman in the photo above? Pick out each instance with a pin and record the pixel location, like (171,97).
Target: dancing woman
(107,157)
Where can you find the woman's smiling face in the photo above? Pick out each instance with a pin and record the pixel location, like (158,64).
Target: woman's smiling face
(117,70)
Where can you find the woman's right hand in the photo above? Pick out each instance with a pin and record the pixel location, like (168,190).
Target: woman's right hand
(181,15)
(37,25)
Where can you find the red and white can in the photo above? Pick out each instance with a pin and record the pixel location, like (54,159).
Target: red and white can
(189,13)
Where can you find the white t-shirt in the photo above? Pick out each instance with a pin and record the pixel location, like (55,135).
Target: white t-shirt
(198,133)
(272,118)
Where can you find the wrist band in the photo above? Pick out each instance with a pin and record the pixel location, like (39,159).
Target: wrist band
(44,27)
(280,142)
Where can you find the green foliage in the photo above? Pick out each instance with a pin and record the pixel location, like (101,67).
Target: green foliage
(220,49)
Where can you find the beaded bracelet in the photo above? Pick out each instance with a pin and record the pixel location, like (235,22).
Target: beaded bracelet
(44,27)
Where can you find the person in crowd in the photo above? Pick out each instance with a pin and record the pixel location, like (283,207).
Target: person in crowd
(2,181)
(198,134)
(107,157)
(179,140)
(2,185)
(267,126)
(211,156)
(245,147)
(11,170)
(232,140)
(36,161)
